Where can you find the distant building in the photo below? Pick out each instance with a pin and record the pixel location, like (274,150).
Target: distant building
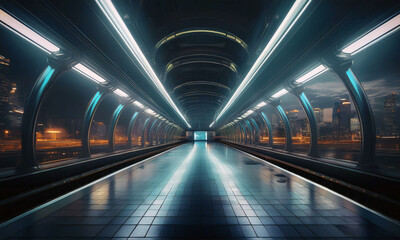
(319,115)
(5,89)
(341,116)
(389,115)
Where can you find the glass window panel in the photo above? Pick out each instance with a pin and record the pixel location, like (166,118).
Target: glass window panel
(60,119)
(21,63)
(298,122)
(338,122)
(147,131)
(264,137)
(101,123)
(138,130)
(278,128)
(377,68)
(121,130)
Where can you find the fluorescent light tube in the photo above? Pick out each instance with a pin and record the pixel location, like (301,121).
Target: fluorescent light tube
(27,33)
(211,124)
(138,104)
(373,36)
(290,19)
(115,19)
(149,111)
(88,73)
(311,74)
(261,104)
(280,93)
(121,93)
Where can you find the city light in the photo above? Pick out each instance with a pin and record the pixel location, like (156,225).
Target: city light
(82,69)
(312,74)
(290,19)
(115,19)
(27,33)
(374,36)
(280,93)
(120,93)
(138,104)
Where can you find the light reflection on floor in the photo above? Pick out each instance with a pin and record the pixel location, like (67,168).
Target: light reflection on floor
(205,190)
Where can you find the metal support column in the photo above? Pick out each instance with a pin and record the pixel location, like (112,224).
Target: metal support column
(250,132)
(269,128)
(149,133)
(130,127)
(288,129)
(113,124)
(156,132)
(143,141)
(341,64)
(243,133)
(87,121)
(256,136)
(312,121)
(58,64)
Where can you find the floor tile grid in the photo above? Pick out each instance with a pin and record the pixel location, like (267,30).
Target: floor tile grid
(307,216)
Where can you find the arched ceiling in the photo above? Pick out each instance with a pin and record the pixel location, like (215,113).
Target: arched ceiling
(200,49)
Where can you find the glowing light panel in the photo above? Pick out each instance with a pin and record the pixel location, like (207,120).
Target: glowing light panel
(27,33)
(82,69)
(311,74)
(280,93)
(373,36)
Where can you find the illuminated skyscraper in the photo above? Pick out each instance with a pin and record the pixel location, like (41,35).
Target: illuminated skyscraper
(341,118)
(389,115)
(4,91)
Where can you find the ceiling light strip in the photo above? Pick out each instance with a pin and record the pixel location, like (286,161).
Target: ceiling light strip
(374,36)
(291,18)
(115,19)
(27,33)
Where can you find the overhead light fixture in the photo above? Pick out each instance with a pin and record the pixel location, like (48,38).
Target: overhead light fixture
(27,33)
(137,103)
(121,93)
(288,22)
(280,93)
(115,19)
(311,74)
(260,105)
(149,111)
(212,124)
(82,69)
(249,112)
(373,36)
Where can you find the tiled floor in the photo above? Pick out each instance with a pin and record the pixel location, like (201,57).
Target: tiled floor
(203,191)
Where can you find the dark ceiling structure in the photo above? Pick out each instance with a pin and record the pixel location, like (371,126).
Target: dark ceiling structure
(202,50)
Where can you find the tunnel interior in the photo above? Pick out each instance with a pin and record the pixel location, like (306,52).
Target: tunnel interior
(312,85)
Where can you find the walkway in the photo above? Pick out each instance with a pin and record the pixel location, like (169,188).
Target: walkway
(202,191)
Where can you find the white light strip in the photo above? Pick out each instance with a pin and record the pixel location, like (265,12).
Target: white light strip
(138,104)
(88,73)
(311,74)
(373,36)
(280,93)
(149,111)
(120,93)
(291,18)
(212,124)
(261,104)
(115,19)
(19,28)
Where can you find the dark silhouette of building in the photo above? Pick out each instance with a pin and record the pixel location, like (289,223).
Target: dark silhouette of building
(341,116)
(389,115)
